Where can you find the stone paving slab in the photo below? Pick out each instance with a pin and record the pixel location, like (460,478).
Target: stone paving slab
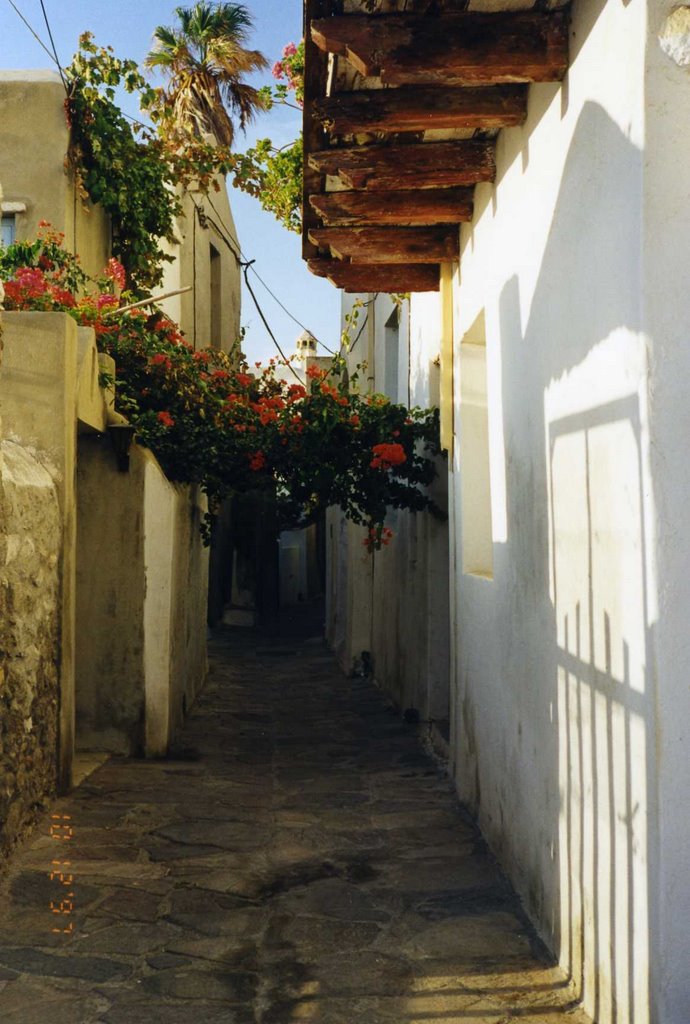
(301,859)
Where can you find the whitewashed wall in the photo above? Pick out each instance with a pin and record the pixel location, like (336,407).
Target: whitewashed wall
(394,603)
(142,582)
(570,678)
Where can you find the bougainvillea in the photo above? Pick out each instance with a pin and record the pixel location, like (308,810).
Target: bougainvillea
(212,421)
(289,72)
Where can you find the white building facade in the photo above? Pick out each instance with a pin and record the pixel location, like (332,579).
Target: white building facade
(562,339)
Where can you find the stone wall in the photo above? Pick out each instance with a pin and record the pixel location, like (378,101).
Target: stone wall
(30,540)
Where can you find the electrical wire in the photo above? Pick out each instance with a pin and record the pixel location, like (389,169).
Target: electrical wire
(270,292)
(34,33)
(52,43)
(246,267)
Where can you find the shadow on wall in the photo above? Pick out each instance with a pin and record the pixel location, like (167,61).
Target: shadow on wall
(573,383)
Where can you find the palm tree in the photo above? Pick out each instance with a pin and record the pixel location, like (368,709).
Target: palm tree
(205,60)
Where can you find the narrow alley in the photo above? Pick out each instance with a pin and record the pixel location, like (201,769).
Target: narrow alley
(300,859)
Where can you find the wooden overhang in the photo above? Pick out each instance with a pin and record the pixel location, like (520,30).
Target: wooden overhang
(401,112)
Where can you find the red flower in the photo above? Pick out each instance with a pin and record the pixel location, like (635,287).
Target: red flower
(63,297)
(243,379)
(166,419)
(257,461)
(160,359)
(387,455)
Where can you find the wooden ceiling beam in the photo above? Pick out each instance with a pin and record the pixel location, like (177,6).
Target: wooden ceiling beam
(398,166)
(415,109)
(440,244)
(410,208)
(315,82)
(471,48)
(380,277)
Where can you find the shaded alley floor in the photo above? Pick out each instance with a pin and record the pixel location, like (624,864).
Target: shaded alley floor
(302,860)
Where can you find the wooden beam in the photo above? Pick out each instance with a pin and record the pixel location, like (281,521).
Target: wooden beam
(415,109)
(421,207)
(439,244)
(315,138)
(454,49)
(420,165)
(380,277)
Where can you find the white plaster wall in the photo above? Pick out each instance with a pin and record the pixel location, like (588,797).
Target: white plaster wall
(394,603)
(142,591)
(554,689)
(188,657)
(35,140)
(158,523)
(198,310)
(666,315)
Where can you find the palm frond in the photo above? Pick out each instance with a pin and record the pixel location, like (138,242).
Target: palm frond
(206,60)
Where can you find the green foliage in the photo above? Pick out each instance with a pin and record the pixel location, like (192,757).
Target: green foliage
(119,165)
(274,177)
(135,172)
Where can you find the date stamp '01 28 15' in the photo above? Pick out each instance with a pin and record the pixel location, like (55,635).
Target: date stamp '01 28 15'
(61,831)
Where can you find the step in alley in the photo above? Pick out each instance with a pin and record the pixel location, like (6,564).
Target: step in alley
(299,859)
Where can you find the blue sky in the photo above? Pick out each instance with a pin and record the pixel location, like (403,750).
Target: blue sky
(127,26)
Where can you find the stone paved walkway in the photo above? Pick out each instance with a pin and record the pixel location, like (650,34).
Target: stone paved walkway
(302,860)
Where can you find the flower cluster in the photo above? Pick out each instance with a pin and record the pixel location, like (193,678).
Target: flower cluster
(386,456)
(290,69)
(212,421)
(377,536)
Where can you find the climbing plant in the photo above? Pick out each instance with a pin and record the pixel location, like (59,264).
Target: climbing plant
(272,174)
(121,165)
(212,421)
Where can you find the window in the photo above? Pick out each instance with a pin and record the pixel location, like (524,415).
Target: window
(215,297)
(477,532)
(391,356)
(9,229)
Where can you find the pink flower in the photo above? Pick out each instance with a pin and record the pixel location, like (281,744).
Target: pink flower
(290,50)
(116,272)
(106,301)
(278,70)
(31,281)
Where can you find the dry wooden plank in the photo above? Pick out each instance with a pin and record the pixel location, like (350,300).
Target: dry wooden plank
(440,244)
(418,207)
(419,165)
(379,277)
(314,136)
(414,109)
(455,49)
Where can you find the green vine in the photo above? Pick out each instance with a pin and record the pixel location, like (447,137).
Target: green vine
(270,174)
(274,177)
(119,165)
